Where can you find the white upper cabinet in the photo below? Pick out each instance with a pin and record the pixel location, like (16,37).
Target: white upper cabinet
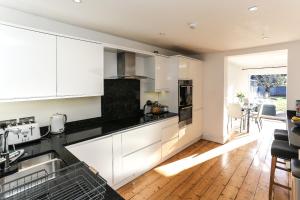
(184,72)
(27,63)
(157,68)
(79,68)
(196,71)
(161,73)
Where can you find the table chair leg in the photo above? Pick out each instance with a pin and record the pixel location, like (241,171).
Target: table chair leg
(272,176)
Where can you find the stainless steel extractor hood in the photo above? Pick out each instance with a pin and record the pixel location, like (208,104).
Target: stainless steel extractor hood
(126,66)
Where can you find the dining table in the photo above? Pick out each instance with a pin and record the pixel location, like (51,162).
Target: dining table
(248,108)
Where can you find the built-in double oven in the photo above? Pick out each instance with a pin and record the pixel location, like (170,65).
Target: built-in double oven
(185,102)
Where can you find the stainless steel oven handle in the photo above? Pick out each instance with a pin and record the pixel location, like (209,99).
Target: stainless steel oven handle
(186,86)
(186,107)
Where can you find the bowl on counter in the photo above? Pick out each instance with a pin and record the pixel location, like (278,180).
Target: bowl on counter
(296,123)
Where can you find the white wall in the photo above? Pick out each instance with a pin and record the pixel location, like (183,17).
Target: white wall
(76,109)
(215,84)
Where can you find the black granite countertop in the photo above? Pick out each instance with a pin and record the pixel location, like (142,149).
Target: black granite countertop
(85,130)
(293,131)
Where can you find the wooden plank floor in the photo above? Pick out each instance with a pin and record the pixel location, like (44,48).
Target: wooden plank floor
(210,171)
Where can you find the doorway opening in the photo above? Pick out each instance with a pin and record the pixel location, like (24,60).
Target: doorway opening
(255,91)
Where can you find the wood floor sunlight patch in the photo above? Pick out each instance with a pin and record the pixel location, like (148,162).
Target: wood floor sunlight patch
(178,166)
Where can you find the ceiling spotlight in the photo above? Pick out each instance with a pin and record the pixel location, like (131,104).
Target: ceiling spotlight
(77,1)
(193,25)
(265,37)
(253,8)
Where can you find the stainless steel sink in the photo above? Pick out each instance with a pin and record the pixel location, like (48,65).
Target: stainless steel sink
(29,171)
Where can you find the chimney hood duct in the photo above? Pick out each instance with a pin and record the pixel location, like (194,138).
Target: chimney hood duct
(126,66)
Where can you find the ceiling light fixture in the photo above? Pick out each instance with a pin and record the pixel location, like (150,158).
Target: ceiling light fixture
(161,33)
(193,25)
(77,1)
(265,37)
(253,8)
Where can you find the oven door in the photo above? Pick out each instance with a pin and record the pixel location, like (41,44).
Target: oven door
(185,115)
(185,95)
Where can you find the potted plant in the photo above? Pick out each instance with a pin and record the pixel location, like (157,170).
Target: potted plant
(240,96)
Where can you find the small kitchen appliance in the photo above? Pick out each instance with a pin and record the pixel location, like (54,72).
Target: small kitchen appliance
(22,133)
(25,131)
(148,107)
(57,123)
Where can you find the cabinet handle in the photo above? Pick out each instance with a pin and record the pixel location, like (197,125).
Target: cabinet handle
(186,107)
(93,170)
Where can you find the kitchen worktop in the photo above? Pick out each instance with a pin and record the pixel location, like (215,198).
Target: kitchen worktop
(293,131)
(85,130)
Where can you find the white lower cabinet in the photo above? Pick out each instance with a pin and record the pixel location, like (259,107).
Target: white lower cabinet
(185,135)
(126,155)
(141,161)
(117,159)
(168,148)
(197,126)
(97,154)
(139,138)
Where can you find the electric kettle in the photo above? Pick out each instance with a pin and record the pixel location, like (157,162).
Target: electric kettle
(57,123)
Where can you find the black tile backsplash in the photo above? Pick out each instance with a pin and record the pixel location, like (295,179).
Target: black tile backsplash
(121,99)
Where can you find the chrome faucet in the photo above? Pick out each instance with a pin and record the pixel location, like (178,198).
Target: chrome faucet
(4,150)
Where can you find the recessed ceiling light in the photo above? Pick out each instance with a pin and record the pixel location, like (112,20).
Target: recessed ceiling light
(193,25)
(253,8)
(265,37)
(77,1)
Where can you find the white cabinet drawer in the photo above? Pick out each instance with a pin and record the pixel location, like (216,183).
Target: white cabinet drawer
(170,122)
(139,138)
(141,161)
(169,132)
(169,147)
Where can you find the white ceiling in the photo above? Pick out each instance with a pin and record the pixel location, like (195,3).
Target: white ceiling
(260,60)
(222,24)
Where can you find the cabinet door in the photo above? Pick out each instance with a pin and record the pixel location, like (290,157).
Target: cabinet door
(184,68)
(197,76)
(161,73)
(28,64)
(79,68)
(197,123)
(137,163)
(185,135)
(168,148)
(169,132)
(117,158)
(96,153)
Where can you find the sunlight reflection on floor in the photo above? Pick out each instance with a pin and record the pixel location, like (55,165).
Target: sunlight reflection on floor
(178,166)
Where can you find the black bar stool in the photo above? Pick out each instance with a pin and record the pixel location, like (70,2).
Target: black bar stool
(280,134)
(280,149)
